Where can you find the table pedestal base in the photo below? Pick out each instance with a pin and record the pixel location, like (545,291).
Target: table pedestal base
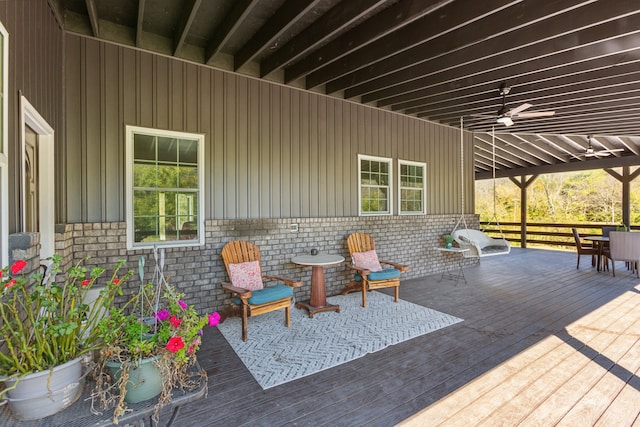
(313,310)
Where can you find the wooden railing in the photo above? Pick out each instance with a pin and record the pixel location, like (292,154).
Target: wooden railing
(550,235)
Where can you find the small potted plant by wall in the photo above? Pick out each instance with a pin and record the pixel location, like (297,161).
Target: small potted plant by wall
(143,359)
(48,335)
(448,241)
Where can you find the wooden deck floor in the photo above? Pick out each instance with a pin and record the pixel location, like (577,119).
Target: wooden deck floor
(542,343)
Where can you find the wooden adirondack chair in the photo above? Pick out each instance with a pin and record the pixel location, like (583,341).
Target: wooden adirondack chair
(251,298)
(365,262)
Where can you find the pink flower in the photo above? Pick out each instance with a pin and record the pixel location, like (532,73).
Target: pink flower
(162,315)
(190,350)
(175,321)
(214,319)
(86,282)
(18,265)
(175,344)
(182,304)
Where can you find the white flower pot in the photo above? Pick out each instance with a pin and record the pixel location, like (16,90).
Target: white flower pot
(45,393)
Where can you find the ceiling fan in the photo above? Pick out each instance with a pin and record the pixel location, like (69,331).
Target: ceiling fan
(591,152)
(506,117)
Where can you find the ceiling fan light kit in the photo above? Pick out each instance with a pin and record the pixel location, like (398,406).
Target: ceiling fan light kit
(505,121)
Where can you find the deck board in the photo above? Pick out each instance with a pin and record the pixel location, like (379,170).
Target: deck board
(541,342)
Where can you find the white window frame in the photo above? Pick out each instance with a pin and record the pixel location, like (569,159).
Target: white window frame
(4,152)
(389,187)
(130,132)
(400,187)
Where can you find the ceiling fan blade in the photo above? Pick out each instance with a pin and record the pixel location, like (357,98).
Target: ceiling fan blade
(536,114)
(613,150)
(597,154)
(516,110)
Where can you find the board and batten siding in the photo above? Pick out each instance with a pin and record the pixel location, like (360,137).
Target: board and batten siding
(35,72)
(271,151)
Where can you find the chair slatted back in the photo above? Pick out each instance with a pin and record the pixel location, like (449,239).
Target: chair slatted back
(576,237)
(239,251)
(360,242)
(624,245)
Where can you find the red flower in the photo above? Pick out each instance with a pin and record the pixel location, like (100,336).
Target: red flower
(18,265)
(175,321)
(175,344)
(10,283)
(116,281)
(85,282)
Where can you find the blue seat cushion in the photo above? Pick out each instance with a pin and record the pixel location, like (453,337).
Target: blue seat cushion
(270,294)
(388,273)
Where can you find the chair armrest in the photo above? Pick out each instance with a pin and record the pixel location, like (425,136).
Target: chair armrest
(288,282)
(361,271)
(243,294)
(400,267)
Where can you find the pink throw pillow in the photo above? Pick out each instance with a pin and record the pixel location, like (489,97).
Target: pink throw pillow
(246,275)
(367,260)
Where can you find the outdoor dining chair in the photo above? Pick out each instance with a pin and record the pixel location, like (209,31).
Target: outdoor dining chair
(624,246)
(584,249)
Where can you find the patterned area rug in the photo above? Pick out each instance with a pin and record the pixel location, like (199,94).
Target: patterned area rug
(275,354)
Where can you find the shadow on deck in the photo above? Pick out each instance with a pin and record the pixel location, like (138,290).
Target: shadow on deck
(538,341)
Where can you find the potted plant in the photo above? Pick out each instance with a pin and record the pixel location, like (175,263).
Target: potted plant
(47,331)
(448,240)
(150,346)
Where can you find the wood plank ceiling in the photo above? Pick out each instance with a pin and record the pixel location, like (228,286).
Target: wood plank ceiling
(437,60)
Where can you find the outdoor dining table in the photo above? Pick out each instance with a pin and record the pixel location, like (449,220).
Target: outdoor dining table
(599,241)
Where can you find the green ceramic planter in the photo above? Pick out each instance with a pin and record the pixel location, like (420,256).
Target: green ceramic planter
(145,379)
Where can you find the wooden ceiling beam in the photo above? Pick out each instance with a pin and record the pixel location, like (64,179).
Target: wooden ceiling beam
(230,24)
(563,167)
(541,97)
(396,18)
(509,30)
(190,9)
(554,79)
(597,42)
(335,21)
(140,22)
(267,36)
(94,19)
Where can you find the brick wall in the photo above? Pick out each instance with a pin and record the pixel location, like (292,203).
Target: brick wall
(198,271)
(26,247)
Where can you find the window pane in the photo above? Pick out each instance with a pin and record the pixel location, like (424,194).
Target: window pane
(167,176)
(188,176)
(144,147)
(188,151)
(144,175)
(167,149)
